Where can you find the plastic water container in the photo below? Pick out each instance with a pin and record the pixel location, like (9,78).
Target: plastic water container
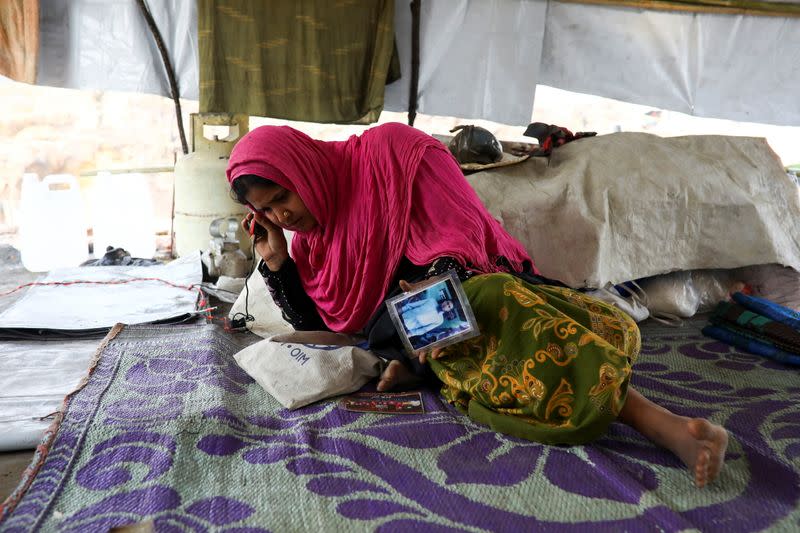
(123,214)
(52,228)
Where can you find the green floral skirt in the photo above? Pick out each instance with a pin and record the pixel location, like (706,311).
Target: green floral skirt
(551,364)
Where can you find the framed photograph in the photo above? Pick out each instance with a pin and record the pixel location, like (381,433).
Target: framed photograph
(434,315)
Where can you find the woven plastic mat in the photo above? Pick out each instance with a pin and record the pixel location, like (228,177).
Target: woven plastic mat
(168,430)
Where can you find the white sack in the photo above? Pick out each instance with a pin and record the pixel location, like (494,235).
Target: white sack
(302,367)
(257,302)
(625,206)
(673,294)
(685,293)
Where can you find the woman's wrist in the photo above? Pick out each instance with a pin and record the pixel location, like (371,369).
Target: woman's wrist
(275,263)
(268,269)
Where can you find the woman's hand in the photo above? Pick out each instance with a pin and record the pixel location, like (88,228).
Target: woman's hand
(408,287)
(271,243)
(423,355)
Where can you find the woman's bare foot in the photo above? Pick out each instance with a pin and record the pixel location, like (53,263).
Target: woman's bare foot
(396,375)
(703,449)
(697,442)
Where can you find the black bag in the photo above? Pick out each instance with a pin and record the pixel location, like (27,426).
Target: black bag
(474,144)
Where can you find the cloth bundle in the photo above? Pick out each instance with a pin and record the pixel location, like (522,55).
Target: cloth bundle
(551,136)
(759,326)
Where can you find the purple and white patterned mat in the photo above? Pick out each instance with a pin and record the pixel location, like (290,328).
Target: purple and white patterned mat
(170,431)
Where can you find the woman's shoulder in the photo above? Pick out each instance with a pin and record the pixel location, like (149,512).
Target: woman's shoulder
(392,127)
(395,131)
(398,138)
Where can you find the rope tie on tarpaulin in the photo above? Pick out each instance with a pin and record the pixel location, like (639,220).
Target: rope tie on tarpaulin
(202,299)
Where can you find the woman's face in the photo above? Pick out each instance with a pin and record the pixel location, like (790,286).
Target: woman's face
(281,206)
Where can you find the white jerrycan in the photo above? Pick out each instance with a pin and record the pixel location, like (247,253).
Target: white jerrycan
(52,229)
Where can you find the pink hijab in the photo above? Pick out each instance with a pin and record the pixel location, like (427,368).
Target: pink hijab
(373,208)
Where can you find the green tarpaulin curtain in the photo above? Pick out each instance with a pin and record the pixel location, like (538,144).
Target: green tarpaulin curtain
(783,8)
(310,60)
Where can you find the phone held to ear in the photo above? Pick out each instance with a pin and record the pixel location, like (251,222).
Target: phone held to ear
(256,229)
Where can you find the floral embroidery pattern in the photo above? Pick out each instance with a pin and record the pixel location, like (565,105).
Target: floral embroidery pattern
(548,379)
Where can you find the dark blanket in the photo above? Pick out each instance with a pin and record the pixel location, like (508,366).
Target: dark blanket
(758,326)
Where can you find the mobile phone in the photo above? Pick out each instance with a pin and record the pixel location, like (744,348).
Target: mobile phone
(257,230)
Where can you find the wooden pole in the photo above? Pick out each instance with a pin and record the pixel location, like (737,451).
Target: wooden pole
(414,87)
(729,7)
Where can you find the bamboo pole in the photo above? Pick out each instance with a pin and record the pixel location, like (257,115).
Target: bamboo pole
(729,7)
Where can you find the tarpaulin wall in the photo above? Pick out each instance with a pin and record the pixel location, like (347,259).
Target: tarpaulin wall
(106,45)
(482,58)
(321,61)
(736,67)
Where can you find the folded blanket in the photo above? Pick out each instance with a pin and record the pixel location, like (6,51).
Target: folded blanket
(758,326)
(771,310)
(752,345)
(765,329)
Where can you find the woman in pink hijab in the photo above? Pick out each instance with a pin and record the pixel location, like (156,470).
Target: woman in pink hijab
(374,212)
(391,204)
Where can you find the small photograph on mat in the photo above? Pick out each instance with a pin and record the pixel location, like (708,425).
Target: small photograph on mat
(409,403)
(433,315)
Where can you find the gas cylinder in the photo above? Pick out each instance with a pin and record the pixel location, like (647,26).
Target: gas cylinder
(201,190)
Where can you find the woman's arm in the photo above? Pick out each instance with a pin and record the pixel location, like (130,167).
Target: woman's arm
(287,292)
(443,264)
(280,274)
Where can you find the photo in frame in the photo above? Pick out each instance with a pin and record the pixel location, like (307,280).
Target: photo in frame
(433,315)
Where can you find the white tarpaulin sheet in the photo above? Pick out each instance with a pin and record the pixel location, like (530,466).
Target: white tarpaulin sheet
(736,67)
(480,59)
(84,306)
(624,206)
(106,45)
(37,374)
(35,378)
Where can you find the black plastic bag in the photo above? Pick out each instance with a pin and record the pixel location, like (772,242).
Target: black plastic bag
(474,144)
